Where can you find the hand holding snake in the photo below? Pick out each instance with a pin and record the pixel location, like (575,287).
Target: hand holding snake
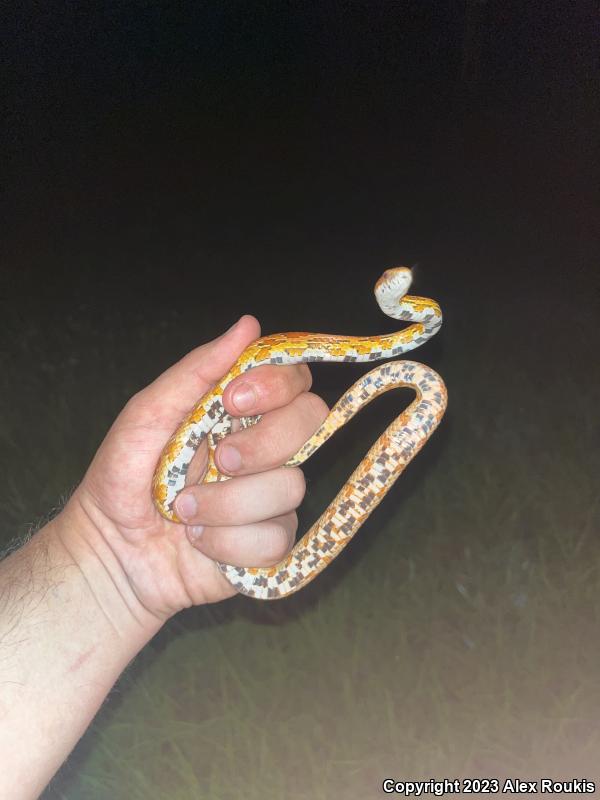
(375,474)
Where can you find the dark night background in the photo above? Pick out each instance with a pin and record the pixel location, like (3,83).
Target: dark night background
(169,167)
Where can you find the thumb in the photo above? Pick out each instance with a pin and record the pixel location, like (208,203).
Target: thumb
(183,384)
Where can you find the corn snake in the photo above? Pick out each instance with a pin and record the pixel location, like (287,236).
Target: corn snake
(378,470)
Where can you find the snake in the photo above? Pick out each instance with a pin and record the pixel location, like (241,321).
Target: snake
(374,475)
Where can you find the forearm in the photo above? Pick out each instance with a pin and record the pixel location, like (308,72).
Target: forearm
(68,628)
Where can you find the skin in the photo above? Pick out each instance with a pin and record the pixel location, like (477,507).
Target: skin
(92,587)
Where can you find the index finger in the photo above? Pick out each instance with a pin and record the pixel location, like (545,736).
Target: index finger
(266,388)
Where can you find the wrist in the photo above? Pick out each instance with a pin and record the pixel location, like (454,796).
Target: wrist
(67,631)
(85,541)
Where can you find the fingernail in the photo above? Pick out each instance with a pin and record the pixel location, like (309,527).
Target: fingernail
(186,506)
(230,458)
(195,531)
(244,397)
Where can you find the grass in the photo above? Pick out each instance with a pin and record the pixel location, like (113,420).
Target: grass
(456,636)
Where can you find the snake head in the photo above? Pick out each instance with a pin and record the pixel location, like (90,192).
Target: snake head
(393,284)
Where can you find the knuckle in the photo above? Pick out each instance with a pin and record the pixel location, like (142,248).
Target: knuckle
(291,526)
(306,376)
(279,384)
(294,486)
(138,403)
(232,499)
(223,549)
(317,407)
(275,547)
(217,549)
(284,384)
(134,399)
(144,411)
(269,442)
(278,542)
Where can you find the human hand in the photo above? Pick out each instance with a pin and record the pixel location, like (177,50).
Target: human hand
(248,520)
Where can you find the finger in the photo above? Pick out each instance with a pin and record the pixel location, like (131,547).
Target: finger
(260,544)
(242,500)
(264,388)
(274,440)
(256,392)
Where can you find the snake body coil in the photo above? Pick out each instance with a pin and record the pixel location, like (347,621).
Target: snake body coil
(378,470)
